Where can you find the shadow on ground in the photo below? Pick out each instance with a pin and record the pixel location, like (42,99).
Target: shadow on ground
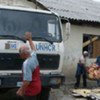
(10,95)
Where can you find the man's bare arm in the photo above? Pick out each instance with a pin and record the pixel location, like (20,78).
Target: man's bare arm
(28,36)
(21,90)
(24,85)
(31,44)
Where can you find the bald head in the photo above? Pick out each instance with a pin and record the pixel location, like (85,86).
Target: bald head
(24,49)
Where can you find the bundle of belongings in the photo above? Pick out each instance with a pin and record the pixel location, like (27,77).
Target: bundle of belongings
(93,72)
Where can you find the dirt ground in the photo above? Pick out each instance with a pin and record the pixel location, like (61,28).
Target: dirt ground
(63,93)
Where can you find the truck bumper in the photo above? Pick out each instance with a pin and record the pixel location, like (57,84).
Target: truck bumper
(10,81)
(48,80)
(52,80)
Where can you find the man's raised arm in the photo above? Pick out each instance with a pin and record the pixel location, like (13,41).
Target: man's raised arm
(28,37)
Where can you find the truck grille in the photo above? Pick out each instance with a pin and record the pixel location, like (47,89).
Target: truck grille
(50,62)
(9,61)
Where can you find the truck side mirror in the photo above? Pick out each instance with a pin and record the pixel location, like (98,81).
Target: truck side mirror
(67,30)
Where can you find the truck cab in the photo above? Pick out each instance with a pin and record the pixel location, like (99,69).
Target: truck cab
(46,32)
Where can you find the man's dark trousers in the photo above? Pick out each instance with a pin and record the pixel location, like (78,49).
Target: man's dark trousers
(30,97)
(81,71)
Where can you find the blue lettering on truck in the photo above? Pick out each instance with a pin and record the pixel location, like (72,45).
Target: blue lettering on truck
(45,47)
(13,46)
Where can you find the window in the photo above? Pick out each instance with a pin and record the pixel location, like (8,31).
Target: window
(15,22)
(91,43)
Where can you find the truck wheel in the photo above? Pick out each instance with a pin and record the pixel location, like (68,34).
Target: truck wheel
(44,95)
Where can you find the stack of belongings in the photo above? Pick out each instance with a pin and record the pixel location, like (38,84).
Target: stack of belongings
(93,72)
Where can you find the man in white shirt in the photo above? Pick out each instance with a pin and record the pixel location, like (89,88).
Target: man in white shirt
(81,70)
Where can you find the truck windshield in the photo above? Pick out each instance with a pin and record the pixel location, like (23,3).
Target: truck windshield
(15,22)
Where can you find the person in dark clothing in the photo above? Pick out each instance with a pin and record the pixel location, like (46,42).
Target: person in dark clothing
(98,64)
(81,70)
(98,61)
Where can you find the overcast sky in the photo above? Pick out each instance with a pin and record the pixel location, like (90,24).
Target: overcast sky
(97,0)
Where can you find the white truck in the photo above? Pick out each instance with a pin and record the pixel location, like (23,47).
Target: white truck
(47,36)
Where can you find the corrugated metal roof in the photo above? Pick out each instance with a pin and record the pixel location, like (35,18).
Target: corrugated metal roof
(86,10)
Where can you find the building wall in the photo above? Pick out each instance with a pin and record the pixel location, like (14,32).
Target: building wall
(73,48)
(20,3)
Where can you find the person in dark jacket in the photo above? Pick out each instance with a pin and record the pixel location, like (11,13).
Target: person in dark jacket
(31,86)
(81,70)
(98,63)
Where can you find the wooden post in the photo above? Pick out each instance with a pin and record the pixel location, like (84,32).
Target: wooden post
(90,41)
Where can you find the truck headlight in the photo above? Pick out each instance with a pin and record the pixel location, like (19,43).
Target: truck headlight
(55,81)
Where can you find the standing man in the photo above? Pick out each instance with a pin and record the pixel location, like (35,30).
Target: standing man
(31,86)
(81,70)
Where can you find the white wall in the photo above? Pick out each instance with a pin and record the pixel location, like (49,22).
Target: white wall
(73,47)
(20,3)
